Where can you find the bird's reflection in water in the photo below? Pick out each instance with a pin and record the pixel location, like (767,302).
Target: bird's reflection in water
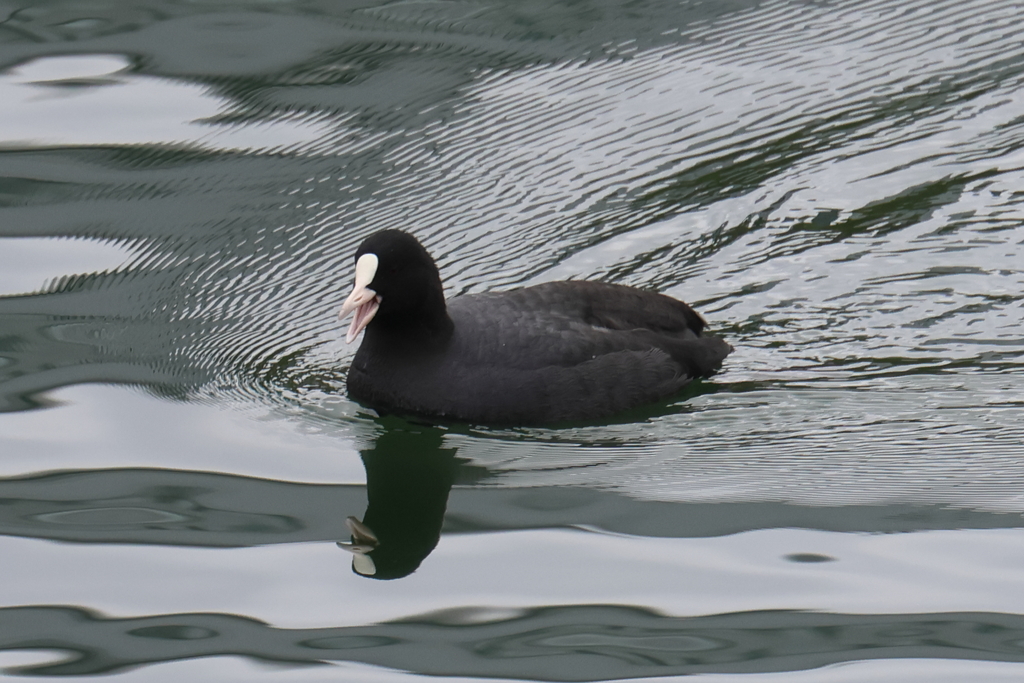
(408,477)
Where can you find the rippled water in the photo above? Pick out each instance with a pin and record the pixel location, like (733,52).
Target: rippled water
(837,186)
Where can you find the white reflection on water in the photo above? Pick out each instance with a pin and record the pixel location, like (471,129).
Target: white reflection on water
(86,100)
(110,427)
(29,264)
(902,670)
(307,585)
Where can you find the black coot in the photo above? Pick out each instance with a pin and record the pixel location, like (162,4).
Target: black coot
(556,352)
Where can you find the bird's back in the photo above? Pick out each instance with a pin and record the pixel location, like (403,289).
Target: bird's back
(561,351)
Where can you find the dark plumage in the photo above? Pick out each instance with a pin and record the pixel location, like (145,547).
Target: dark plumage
(556,352)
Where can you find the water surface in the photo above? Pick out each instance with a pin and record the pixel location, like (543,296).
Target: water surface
(836,186)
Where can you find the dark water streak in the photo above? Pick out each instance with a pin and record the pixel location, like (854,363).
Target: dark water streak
(208,509)
(564,643)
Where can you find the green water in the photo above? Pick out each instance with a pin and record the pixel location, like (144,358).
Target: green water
(837,186)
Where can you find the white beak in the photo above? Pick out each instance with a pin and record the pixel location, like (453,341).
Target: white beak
(363,300)
(365,542)
(365,539)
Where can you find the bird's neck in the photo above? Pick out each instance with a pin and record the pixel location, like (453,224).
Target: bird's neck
(423,331)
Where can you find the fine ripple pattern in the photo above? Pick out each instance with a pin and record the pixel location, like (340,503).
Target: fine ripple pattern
(839,196)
